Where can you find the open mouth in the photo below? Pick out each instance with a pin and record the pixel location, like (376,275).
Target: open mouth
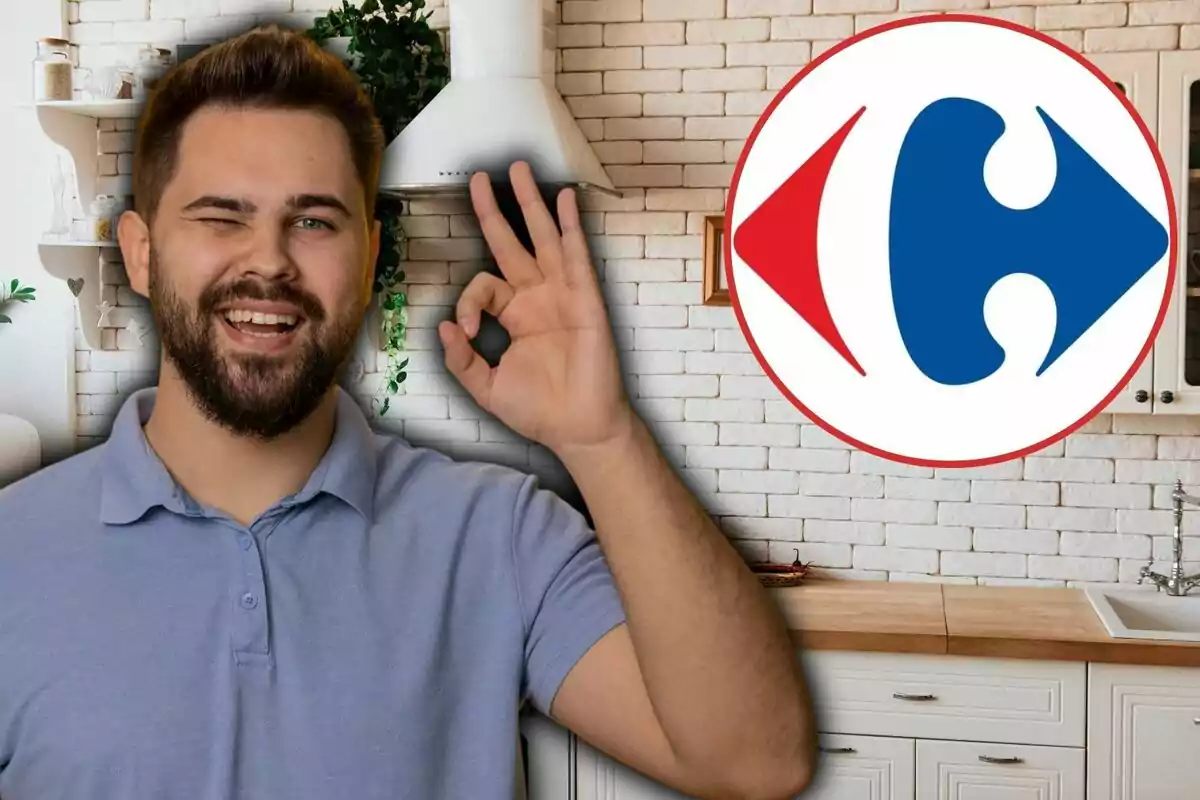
(260,325)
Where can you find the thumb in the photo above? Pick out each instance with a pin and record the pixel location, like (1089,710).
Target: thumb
(464,363)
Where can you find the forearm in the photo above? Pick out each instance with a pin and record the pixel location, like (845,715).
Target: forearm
(712,646)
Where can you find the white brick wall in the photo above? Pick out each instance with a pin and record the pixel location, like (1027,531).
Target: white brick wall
(667,91)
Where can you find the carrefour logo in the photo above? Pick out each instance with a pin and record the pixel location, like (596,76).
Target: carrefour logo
(950,241)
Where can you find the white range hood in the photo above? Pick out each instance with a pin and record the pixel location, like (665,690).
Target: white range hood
(499,106)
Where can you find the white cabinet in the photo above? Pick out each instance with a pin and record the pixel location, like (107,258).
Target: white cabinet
(1143,733)
(949,697)
(864,768)
(1165,89)
(602,778)
(1177,350)
(962,728)
(1136,74)
(545,764)
(987,771)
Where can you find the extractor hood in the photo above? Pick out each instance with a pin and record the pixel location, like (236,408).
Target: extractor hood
(499,106)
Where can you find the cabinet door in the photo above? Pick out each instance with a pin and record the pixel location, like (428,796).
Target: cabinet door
(982,771)
(864,768)
(544,769)
(1143,733)
(1177,352)
(1136,74)
(601,778)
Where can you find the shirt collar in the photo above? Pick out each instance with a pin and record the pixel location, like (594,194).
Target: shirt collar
(134,479)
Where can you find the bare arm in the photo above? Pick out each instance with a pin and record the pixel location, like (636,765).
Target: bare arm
(719,672)
(701,687)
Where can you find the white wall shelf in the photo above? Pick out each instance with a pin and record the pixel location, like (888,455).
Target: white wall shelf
(49,242)
(96,109)
(73,125)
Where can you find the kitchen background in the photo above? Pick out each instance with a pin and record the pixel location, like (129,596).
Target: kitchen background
(668,90)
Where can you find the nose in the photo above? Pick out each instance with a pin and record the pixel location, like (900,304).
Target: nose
(269,257)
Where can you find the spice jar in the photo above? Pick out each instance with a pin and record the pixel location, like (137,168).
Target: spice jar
(101,212)
(153,63)
(52,70)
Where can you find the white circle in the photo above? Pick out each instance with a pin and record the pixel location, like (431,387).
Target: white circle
(895,409)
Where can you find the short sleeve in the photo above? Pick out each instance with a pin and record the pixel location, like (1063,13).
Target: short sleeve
(567,594)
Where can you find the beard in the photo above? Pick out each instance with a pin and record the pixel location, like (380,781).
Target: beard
(253,395)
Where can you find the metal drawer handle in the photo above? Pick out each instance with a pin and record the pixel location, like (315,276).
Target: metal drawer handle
(838,750)
(1196,721)
(921,698)
(994,760)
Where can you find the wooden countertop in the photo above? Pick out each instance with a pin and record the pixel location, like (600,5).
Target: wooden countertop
(987,621)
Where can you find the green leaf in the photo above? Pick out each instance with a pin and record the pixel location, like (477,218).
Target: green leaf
(393,387)
(4,319)
(13,286)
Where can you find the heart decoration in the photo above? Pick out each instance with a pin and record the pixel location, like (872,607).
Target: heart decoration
(75,285)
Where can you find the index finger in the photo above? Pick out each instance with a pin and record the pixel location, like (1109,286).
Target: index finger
(516,263)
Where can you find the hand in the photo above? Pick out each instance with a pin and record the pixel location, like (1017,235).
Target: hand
(559,383)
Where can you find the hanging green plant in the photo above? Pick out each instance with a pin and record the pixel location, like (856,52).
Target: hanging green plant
(14,292)
(401,62)
(393,302)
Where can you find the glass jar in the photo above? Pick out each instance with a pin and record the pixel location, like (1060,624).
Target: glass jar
(124,83)
(152,65)
(101,215)
(52,70)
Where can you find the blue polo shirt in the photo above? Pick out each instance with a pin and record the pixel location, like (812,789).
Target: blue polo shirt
(370,636)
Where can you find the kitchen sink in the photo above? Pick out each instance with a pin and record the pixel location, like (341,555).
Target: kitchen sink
(1135,614)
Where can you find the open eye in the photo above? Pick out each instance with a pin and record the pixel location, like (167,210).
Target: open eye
(314,223)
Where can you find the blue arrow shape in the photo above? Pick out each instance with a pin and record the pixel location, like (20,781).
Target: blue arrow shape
(950,242)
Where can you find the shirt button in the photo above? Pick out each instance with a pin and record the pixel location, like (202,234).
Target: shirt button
(249,600)
(244,541)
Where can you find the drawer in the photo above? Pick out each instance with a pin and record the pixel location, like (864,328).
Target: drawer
(949,697)
(988,771)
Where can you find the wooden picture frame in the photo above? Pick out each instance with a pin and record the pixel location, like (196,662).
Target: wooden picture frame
(716,291)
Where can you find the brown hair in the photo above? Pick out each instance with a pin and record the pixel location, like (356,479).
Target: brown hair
(266,67)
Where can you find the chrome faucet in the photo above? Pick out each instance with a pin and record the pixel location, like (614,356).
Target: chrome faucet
(1176,584)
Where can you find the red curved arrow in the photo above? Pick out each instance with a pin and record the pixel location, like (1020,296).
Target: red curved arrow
(779,241)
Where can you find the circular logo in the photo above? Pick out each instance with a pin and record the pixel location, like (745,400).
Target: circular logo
(950,241)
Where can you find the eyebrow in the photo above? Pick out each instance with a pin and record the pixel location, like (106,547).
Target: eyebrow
(222,203)
(299,202)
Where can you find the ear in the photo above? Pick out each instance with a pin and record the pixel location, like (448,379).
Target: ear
(134,236)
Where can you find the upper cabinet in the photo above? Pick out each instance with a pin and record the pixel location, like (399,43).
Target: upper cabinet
(1136,74)
(1165,89)
(1177,351)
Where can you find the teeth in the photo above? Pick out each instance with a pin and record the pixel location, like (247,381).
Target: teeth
(243,315)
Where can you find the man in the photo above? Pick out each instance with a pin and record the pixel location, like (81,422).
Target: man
(245,593)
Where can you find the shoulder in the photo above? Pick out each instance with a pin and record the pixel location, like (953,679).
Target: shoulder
(414,479)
